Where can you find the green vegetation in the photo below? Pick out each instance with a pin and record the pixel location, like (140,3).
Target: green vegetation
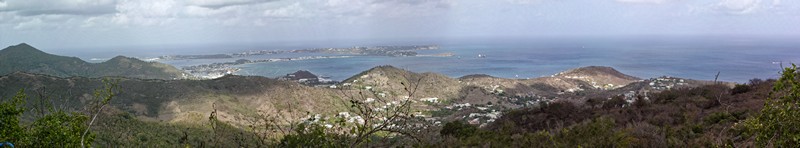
(26,58)
(54,129)
(761,114)
(11,110)
(778,122)
(592,133)
(687,117)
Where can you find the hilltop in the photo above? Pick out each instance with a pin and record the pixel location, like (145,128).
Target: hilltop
(599,76)
(392,80)
(166,108)
(182,101)
(26,58)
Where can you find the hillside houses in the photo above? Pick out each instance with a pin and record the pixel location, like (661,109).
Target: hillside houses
(666,83)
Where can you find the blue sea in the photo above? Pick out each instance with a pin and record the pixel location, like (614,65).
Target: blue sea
(736,59)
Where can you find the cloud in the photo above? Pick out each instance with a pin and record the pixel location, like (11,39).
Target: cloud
(217,4)
(29,24)
(146,12)
(738,6)
(358,8)
(290,11)
(59,7)
(643,1)
(231,12)
(523,2)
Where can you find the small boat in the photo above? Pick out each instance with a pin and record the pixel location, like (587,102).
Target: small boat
(481,56)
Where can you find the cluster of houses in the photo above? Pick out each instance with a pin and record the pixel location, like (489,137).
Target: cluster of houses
(666,83)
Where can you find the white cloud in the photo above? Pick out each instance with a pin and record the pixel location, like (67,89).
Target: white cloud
(46,22)
(738,6)
(523,2)
(385,8)
(3,4)
(217,4)
(643,1)
(146,12)
(59,7)
(293,10)
(29,24)
(231,12)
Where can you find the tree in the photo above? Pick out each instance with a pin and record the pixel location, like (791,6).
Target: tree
(10,112)
(102,97)
(458,129)
(778,124)
(54,127)
(615,102)
(370,116)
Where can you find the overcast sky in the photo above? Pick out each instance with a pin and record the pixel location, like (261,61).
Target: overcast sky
(100,23)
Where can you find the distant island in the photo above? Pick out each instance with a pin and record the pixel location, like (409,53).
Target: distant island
(393,51)
(216,70)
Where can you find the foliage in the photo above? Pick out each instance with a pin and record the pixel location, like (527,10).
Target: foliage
(740,88)
(683,117)
(778,122)
(54,127)
(458,129)
(615,102)
(316,135)
(599,132)
(371,116)
(24,57)
(10,112)
(59,129)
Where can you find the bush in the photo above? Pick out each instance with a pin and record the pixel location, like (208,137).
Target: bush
(616,102)
(10,112)
(458,129)
(740,88)
(595,133)
(776,125)
(313,135)
(756,81)
(55,129)
(59,129)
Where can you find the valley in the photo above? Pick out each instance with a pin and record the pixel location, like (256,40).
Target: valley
(181,106)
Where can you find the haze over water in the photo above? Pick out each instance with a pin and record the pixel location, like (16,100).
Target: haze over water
(737,60)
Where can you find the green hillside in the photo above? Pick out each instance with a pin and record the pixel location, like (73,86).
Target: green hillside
(26,58)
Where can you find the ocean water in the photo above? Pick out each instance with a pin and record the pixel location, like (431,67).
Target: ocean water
(736,61)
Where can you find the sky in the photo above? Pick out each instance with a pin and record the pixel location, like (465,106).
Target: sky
(79,24)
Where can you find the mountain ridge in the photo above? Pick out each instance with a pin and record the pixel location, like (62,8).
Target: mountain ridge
(24,57)
(240,99)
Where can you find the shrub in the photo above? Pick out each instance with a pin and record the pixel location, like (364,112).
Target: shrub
(10,112)
(458,129)
(740,88)
(616,102)
(313,135)
(756,81)
(55,129)
(777,124)
(59,129)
